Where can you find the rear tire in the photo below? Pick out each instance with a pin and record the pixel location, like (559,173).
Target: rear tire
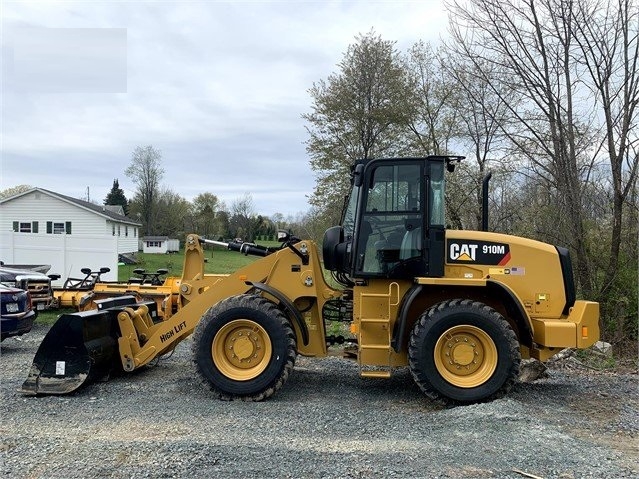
(244,348)
(462,352)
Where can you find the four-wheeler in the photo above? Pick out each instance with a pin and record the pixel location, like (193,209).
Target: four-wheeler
(458,308)
(82,293)
(74,290)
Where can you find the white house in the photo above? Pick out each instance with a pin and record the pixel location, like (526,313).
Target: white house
(40,226)
(160,244)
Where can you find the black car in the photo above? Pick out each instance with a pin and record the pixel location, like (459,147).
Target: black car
(17,311)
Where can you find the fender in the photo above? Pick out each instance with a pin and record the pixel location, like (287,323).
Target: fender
(515,311)
(288,307)
(496,290)
(400,324)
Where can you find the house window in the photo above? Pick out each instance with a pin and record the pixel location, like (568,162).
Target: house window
(113,229)
(153,244)
(135,232)
(118,230)
(126,231)
(58,227)
(25,226)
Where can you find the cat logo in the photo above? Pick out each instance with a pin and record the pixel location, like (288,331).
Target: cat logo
(463,252)
(478,252)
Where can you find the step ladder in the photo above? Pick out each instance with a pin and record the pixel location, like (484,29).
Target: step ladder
(375,312)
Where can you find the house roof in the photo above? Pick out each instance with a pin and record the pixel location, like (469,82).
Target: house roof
(98,209)
(155,238)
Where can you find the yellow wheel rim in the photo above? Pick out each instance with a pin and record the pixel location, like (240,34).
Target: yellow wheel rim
(241,350)
(465,356)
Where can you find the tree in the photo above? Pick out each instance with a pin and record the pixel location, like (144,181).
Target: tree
(171,212)
(146,172)
(608,39)
(433,98)
(205,206)
(14,190)
(243,221)
(569,77)
(116,197)
(356,114)
(531,45)
(479,114)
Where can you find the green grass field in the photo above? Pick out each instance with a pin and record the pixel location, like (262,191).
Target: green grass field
(218,260)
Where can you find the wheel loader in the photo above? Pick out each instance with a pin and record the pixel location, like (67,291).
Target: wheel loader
(458,308)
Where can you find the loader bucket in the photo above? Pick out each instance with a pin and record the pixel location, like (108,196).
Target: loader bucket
(78,349)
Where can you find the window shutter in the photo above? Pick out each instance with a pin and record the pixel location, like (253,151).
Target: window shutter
(34,227)
(16,226)
(68,227)
(49,227)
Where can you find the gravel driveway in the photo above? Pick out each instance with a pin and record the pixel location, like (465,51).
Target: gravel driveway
(326,422)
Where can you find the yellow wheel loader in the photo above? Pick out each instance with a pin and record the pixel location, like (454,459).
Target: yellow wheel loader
(459,308)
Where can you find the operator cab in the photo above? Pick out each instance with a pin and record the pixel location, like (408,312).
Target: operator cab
(393,223)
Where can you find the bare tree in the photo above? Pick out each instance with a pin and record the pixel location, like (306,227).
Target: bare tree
(146,172)
(479,113)
(608,38)
(532,45)
(433,98)
(243,220)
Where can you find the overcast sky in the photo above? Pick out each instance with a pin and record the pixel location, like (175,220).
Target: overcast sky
(218,87)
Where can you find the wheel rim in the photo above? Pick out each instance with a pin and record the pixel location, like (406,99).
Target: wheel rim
(465,356)
(241,350)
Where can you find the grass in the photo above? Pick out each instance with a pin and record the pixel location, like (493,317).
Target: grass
(218,260)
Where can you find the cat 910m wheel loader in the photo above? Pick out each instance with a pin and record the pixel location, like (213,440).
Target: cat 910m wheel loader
(459,308)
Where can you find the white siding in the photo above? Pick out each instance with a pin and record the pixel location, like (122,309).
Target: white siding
(90,234)
(41,207)
(126,243)
(67,254)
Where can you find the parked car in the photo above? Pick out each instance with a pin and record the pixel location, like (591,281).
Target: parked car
(36,283)
(17,312)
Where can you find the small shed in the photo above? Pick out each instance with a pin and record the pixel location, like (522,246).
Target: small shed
(160,245)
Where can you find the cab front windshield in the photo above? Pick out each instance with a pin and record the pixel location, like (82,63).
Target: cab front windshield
(348,215)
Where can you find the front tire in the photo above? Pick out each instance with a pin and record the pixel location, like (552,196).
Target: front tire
(244,348)
(463,351)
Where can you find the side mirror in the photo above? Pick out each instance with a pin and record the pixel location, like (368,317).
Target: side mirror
(138,271)
(85,271)
(162,271)
(283,236)
(104,270)
(358,178)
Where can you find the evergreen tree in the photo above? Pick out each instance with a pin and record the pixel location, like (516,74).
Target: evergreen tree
(116,197)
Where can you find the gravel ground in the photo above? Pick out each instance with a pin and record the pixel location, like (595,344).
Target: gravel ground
(326,422)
